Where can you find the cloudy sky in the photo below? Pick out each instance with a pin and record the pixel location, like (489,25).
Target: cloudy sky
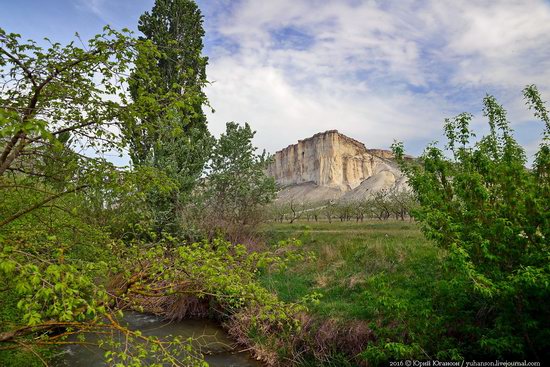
(374,70)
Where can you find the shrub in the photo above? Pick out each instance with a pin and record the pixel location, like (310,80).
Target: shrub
(492,213)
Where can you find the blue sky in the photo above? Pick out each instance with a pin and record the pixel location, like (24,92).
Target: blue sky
(375,70)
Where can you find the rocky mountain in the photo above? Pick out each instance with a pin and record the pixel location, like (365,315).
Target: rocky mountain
(329,166)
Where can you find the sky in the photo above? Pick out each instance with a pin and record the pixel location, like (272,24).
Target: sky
(377,71)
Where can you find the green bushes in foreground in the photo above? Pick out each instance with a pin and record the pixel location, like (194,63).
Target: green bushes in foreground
(493,216)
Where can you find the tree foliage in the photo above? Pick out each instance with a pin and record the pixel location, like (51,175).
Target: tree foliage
(492,214)
(177,75)
(70,221)
(236,188)
(170,133)
(60,109)
(60,97)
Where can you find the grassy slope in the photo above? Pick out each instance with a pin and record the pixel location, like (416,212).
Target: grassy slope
(384,273)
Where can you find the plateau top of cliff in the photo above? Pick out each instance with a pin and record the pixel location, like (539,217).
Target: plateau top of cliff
(382,153)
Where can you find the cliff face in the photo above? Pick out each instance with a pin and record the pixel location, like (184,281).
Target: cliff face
(328,159)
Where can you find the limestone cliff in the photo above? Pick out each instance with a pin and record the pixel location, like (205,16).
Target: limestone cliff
(328,159)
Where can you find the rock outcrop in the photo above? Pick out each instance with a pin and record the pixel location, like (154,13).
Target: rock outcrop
(329,165)
(328,159)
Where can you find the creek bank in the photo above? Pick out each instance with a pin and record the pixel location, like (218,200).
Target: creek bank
(210,338)
(220,281)
(317,340)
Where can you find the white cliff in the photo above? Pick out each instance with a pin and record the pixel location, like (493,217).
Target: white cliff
(328,159)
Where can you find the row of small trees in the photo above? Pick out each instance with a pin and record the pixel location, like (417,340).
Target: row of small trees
(382,205)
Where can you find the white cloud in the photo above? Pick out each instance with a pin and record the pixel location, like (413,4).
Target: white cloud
(283,113)
(375,70)
(94,6)
(502,43)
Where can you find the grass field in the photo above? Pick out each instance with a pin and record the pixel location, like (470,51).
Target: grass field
(382,273)
(352,261)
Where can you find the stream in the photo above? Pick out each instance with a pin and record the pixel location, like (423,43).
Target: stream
(214,342)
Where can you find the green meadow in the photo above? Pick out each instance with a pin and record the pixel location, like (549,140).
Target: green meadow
(383,275)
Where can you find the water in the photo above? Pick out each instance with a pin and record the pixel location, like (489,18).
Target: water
(215,343)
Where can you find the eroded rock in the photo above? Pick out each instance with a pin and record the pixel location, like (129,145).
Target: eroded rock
(330,165)
(328,159)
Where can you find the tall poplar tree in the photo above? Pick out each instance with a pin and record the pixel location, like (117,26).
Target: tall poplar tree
(172,133)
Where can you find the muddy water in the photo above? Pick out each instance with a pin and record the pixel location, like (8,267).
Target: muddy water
(214,342)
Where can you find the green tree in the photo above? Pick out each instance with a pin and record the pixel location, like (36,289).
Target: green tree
(492,214)
(236,188)
(52,105)
(171,133)
(60,109)
(175,27)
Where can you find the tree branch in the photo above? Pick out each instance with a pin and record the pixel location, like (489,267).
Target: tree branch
(20,64)
(38,205)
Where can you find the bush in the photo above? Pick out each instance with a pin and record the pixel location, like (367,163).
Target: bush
(492,214)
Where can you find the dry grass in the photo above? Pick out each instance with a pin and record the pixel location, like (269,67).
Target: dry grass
(177,306)
(321,280)
(315,338)
(355,280)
